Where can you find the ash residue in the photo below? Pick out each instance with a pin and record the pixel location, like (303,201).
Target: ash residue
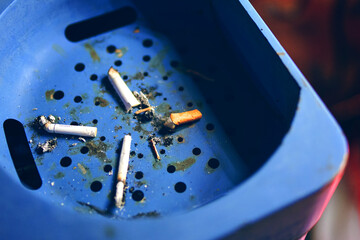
(155,139)
(145,116)
(138,127)
(153,214)
(51,118)
(164,141)
(138,76)
(167,141)
(142,99)
(158,122)
(150,93)
(94,208)
(47,146)
(98,149)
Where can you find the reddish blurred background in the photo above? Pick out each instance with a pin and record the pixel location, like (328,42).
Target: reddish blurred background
(323,39)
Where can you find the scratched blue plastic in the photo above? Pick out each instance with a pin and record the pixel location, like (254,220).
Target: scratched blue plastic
(36,57)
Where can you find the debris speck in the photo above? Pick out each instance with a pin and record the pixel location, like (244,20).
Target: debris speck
(82,168)
(34,109)
(52,183)
(82,139)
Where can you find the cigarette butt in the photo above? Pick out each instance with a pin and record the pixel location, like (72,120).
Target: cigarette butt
(143,110)
(185,117)
(119,194)
(153,146)
(123,168)
(83,131)
(122,89)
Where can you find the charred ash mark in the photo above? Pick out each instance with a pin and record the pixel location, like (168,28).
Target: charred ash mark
(165,141)
(150,92)
(153,214)
(145,116)
(47,146)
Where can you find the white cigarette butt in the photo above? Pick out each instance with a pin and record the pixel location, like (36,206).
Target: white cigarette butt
(123,168)
(122,89)
(67,129)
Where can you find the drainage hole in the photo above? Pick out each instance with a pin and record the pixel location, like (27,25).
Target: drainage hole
(111,49)
(196,151)
(180,187)
(58,95)
(174,64)
(132,153)
(180,139)
(147,43)
(65,162)
(146,58)
(97,103)
(137,195)
(171,169)
(93,77)
(74,123)
(84,150)
(96,186)
(118,63)
(79,67)
(165,98)
(162,151)
(181,89)
(140,155)
(139,175)
(165,78)
(102,138)
(107,168)
(190,104)
(125,77)
(146,74)
(95,121)
(77,99)
(213,163)
(210,126)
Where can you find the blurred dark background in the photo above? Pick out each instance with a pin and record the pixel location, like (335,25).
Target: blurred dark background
(323,39)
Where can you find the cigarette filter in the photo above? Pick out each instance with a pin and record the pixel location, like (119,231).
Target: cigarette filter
(182,118)
(83,131)
(123,168)
(122,89)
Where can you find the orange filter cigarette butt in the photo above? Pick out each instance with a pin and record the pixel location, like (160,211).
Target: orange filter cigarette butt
(185,117)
